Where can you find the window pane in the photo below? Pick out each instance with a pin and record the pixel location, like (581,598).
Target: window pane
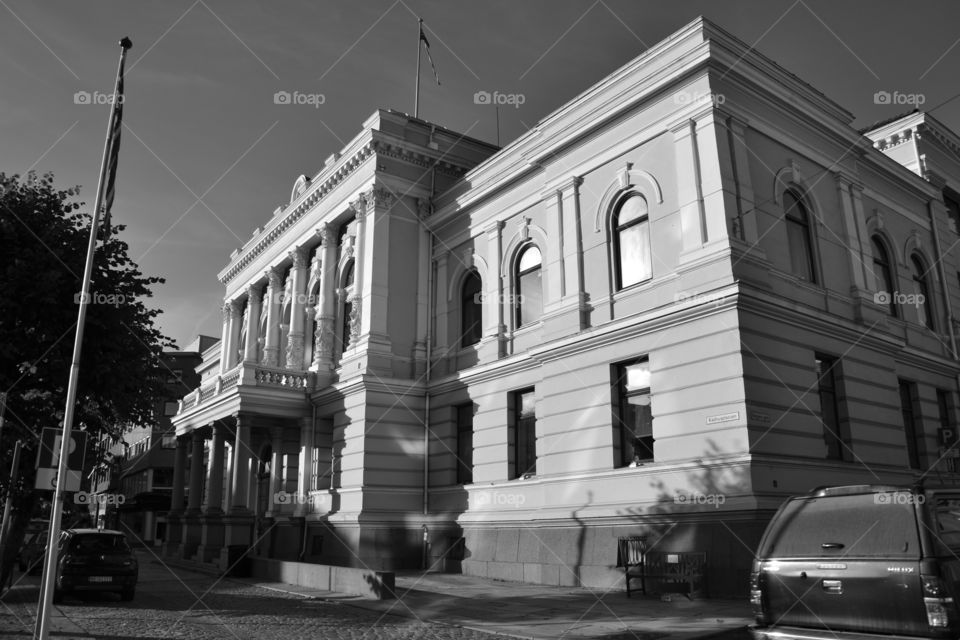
(465,444)
(530,298)
(632,209)
(883,274)
(634,420)
(921,292)
(799,243)
(637,376)
(634,249)
(529,259)
(471,313)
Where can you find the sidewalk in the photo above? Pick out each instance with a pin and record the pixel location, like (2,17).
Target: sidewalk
(540,612)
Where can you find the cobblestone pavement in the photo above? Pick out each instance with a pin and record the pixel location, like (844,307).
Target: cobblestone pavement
(182,604)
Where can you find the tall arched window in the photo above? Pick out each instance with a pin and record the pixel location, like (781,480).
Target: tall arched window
(798,237)
(471,310)
(921,291)
(346,307)
(528,289)
(884,276)
(632,242)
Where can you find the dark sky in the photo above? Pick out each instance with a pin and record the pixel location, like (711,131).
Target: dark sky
(207,154)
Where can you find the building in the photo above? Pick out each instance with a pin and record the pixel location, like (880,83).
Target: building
(689,292)
(135,475)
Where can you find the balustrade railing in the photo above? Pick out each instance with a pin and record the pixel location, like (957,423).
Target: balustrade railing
(246,374)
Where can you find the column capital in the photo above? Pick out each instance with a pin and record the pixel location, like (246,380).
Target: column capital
(197,436)
(299,257)
(273,277)
(325,232)
(254,289)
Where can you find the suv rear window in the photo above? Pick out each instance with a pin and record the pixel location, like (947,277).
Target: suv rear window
(947,511)
(867,525)
(98,543)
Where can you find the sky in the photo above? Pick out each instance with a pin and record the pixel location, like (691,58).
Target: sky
(209,150)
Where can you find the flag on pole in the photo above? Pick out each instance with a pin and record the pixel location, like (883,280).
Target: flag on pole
(113,154)
(426,44)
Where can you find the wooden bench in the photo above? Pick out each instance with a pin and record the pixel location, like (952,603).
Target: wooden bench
(684,570)
(678,569)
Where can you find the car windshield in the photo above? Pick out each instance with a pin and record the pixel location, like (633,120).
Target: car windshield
(98,543)
(859,525)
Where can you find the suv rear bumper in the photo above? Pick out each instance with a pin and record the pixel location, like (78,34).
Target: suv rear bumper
(798,633)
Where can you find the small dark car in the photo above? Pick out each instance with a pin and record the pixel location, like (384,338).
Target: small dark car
(860,562)
(95,560)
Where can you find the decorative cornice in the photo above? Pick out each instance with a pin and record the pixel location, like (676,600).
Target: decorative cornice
(315,192)
(895,140)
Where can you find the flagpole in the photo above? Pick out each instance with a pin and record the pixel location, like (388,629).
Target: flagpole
(416,95)
(50,566)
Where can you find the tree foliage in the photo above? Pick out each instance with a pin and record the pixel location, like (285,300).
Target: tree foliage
(44,235)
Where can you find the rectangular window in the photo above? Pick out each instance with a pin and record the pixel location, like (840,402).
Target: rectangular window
(174,376)
(170,408)
(169,441)
(911,426)
(828,374)
(524,437)
(633,420)
(465,443)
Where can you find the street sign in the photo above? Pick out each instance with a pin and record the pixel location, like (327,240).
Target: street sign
(48,459)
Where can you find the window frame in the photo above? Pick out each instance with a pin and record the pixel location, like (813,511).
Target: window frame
(473,334)
(831,396)
(919,275)
(618,229)
(803,224)
(523,436)
(912,421)
(464,451)
(622,431)
(518,301)
(887,271)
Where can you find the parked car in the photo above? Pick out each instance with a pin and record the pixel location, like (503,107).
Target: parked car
(860,562)
(95,560)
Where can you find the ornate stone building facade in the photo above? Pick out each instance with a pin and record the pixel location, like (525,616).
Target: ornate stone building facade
(677,299)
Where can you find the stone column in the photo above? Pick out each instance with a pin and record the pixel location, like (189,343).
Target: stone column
(192,527)
(233,342)
(171,544)
(239,482)
(305,470)
(326,304)
(225,338)
(360,208)
(215,473)
(271,348)
(298,275)
(254,296)
(276,470)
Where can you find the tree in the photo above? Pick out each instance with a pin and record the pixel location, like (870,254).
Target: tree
(44,238)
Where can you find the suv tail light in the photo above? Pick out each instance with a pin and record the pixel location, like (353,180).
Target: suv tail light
(756,597)
(937,600)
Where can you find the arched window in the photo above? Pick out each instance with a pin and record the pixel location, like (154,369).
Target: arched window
(528,289)
(884,276)
(632,242)
(346,307)
(471,310)
(921,291)
(798,237)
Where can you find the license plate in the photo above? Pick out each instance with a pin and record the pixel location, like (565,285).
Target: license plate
(100,579)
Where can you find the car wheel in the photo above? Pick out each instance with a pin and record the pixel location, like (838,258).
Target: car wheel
(127,594)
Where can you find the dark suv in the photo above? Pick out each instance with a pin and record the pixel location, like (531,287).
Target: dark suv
(95,560)
(860,562)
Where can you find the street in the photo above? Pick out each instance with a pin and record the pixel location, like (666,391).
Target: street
(173,603)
